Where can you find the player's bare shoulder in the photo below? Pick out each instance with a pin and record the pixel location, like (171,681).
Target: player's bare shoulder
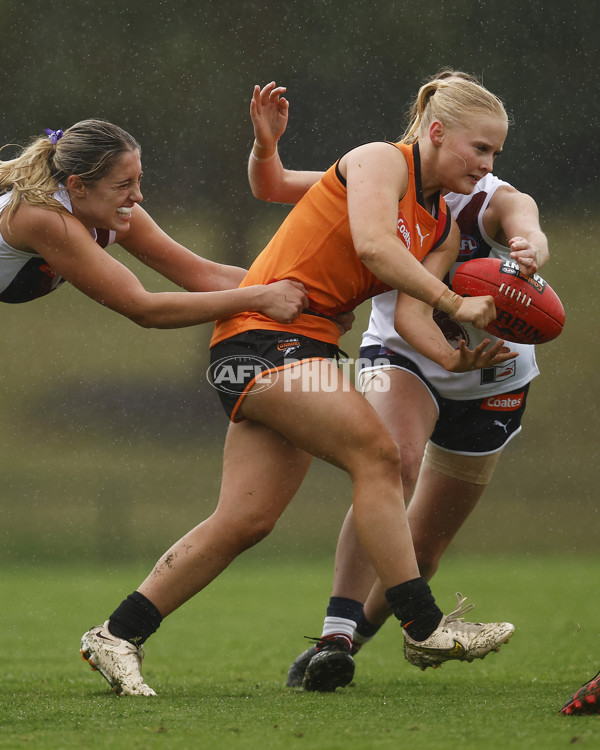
(31,225)
(374,157)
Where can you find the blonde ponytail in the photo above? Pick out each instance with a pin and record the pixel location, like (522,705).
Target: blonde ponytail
(29,177)
(451,99)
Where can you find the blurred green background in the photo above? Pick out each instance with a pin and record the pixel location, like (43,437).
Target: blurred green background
(111,437)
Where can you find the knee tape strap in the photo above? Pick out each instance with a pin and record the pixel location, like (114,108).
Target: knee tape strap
(474,469)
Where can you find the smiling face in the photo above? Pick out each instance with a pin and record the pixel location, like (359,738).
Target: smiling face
(108,203)
(466,153)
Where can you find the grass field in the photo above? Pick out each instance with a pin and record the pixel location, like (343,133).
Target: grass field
(219,664)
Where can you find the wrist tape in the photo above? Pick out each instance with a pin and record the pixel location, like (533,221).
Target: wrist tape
(449,303)
(261,153)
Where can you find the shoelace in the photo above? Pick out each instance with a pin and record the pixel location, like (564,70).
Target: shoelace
(320,641)
(590,683)
(461,609)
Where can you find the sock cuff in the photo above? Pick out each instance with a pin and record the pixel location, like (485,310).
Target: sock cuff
(413,604)
(149,609)
(416,588)
(365,630)
(135,619)
(341,606)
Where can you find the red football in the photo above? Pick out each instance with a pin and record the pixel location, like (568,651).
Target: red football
(529,310)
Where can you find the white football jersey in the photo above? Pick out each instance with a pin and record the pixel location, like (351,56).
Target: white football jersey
(26,276)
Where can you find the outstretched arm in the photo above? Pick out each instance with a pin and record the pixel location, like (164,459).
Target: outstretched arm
(68,248)
(269,180)
(153,247)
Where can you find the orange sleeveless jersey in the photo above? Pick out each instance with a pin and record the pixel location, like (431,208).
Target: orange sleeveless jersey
(314,246)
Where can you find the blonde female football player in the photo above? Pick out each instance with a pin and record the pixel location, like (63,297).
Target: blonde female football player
(69,195)
(342,242)
(460,421)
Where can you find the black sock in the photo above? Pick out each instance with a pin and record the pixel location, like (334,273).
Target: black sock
(413,604)
(135,619)
(365,628)
(339,606)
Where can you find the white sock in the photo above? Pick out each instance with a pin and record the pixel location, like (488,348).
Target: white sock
(340,627)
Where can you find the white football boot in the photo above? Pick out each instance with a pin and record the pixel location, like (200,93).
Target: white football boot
(456,639)
(118,661)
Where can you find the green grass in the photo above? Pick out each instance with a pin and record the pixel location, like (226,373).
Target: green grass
(219,664)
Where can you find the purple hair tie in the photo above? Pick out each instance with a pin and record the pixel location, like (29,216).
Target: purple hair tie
(54,135)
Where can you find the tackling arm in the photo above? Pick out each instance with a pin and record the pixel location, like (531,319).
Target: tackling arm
(153,247)
(70,251)
(515,217)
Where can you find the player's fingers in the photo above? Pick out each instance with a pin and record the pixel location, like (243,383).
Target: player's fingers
(278,91)
(482,346)
(297,284)
(255,100)
(265,92)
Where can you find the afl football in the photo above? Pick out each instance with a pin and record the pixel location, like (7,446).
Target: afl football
(529,310)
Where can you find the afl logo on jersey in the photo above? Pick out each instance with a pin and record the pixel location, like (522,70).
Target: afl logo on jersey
(468,247)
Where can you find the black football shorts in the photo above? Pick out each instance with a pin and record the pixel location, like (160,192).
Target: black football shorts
(237,362)
(476,426)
